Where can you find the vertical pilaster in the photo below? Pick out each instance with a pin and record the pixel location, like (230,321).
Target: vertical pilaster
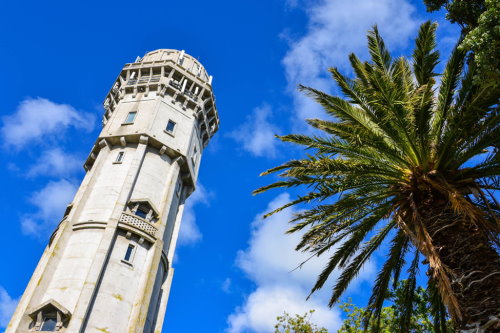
(92,283)
(140,310)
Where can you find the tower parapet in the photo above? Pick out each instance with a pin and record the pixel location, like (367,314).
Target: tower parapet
(108,265)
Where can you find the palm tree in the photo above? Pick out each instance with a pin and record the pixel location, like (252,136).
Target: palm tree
(410,162)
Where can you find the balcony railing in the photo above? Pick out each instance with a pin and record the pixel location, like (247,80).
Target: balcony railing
(138,223)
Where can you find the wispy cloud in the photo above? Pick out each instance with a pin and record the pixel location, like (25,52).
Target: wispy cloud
(7,307)
(256,134)
(50,203)
(335,29)
(56,163)
(269,261)
(37,119)
(190,232)
(226,285)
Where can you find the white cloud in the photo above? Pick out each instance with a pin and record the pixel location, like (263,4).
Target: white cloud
(50,202)
(226,285)
(269,261)
(256,134)
(335,29)
(37,118)
(55,162)
(7,307)
(265,304)
(189,232)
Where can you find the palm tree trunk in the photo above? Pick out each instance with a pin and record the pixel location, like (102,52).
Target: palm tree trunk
(473,265)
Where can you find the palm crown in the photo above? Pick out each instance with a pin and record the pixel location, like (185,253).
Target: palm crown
(411,162)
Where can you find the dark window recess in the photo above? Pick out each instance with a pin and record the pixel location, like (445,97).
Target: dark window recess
(68,210)
(130,117)
(170,126)
(119,157)
(142,212)
(128,254)
(49,324)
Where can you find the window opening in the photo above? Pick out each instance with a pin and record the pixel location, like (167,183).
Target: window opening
(170,126)
(119,157)
(49,323)
(49,317)
(142,211)
(130,117)
(129,252)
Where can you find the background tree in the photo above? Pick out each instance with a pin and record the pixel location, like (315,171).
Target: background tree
(421,320)
(297,324)
(479,20)
(409,162)
(464,12)
(484,41)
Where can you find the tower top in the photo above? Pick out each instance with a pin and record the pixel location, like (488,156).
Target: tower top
(173,77)
(181,58)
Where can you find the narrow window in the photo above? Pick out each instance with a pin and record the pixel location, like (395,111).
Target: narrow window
(119,157)
(130,251)
(49,323)
(178,189)
(170,126)
(130,117)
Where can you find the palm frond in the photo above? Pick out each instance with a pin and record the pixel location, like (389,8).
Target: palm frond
(449,82)
(400,244)
(437,308)
(355,265)
(379,53)
(425,55)
(397,154)
(408,295)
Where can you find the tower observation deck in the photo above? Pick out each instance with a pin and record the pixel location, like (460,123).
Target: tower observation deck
(108,264)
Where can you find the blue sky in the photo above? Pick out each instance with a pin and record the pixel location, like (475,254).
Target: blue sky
(233,271)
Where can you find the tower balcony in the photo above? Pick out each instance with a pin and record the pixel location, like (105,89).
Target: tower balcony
(137,225)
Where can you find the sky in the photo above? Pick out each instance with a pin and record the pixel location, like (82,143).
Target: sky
(234,271)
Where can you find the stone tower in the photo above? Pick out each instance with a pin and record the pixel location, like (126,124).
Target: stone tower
(108,264)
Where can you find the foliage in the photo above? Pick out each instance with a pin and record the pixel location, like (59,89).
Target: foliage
(389,316)
(464,12)
(411,163)
(297,324)
(420,321)
(479,20)
(484,41)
